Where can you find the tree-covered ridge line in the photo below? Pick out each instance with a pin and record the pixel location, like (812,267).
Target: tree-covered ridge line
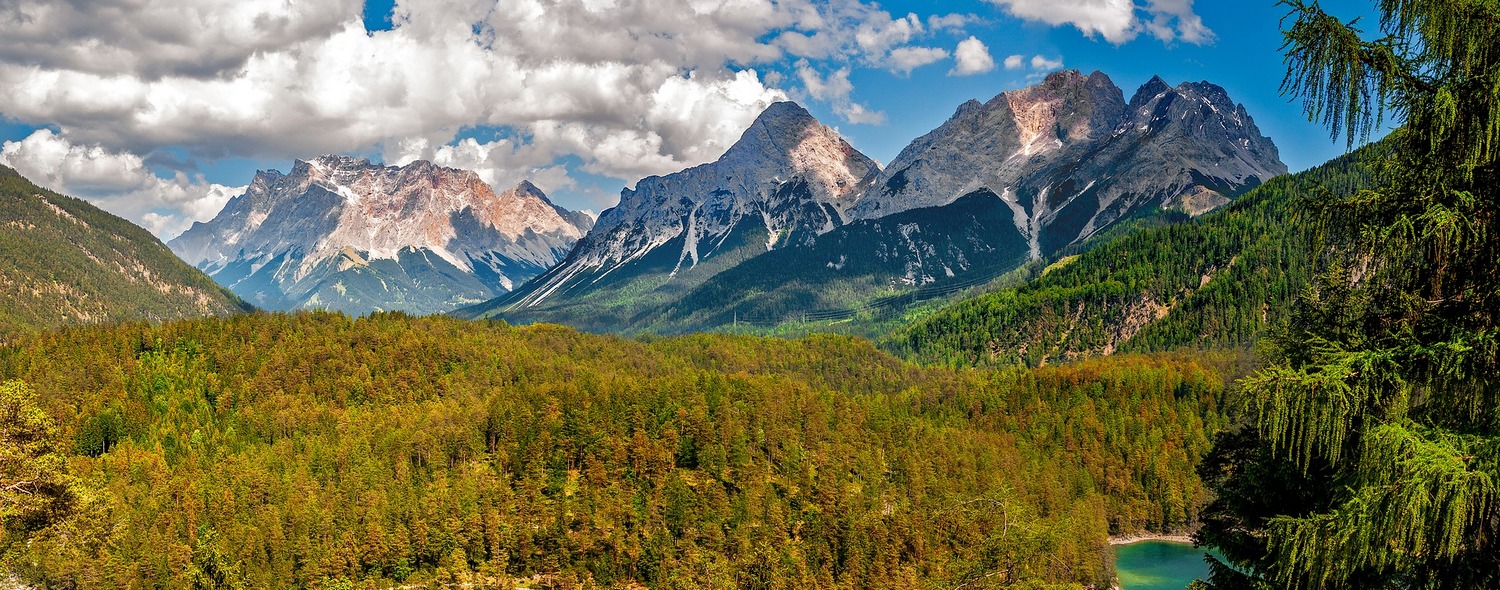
(1213,282)
(313,450)
(65,261)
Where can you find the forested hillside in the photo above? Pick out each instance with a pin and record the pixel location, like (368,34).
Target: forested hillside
(316,451)
(1214,282)
(65,261)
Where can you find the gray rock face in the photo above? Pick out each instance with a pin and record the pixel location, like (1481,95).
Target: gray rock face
(341,233)
(996,144)
(1070,156)
(787,178)
(1016,178)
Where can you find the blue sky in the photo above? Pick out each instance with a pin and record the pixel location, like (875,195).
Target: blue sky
(1245,59)
(583,102)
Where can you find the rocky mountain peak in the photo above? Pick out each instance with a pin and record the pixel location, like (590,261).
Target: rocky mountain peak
(786,138)
(290,225)
(776,130)
(968,109)
(785,113)
(1070,157)
(1067,107)
(788,177)
(994,144)
(527,190)
(1155,95)
(1151,89)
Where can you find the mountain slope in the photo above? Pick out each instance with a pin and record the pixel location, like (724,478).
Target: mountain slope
(64,261)
(787,179)
(344,234)
(1217,281)
(1044,167)
(858,262)
(1018,178)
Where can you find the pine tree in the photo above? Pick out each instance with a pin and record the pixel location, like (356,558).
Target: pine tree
(33,490)
(1374,457)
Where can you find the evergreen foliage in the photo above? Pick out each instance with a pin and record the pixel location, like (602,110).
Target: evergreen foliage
(65,261)
(33,491)
(316,451)
(1382,392)
(1215,282)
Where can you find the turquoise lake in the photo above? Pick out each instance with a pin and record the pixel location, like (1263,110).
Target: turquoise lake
(1158,565)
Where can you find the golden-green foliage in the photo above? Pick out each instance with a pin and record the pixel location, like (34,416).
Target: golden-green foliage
(1214,282)
(312,450)
(33,490)
(65,261)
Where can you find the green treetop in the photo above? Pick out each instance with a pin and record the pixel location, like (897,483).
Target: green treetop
(1374,458)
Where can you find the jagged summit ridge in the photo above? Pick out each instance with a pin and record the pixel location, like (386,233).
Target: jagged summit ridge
(1073,143)
(993,144)
(787,177)
(285,229)
(1153,88)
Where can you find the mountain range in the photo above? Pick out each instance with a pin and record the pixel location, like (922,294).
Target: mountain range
(342,233)
(1094,226)
(792,219)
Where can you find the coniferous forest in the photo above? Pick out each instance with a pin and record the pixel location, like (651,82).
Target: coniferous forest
(313,450)
(1305,380)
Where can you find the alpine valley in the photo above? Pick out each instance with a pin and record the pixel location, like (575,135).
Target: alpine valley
(1068,317)
(341,233)
(792,220)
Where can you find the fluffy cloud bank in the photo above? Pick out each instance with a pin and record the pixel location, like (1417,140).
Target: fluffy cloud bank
(120,182)
(1117,21)
(628,88)
(614,88)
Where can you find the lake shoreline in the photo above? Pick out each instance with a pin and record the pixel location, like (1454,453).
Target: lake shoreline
(1157,561)
(1185,538)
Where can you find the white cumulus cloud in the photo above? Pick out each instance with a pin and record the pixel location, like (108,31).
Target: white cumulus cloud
(835,89)
(1117,21)
(972,57)
(119,182)
(905,59)
(1043,64)
(1175,20)
(953,22)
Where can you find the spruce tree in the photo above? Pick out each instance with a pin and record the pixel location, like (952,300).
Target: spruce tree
(1373,457)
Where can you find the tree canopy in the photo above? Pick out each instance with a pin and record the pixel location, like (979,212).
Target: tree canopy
(1374,457)
(317,451)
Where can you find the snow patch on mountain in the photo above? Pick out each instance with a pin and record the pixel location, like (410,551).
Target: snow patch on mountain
(288,231)
(788,174)
(1187,147)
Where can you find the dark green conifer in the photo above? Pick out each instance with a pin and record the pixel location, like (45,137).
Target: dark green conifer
(1374,460)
